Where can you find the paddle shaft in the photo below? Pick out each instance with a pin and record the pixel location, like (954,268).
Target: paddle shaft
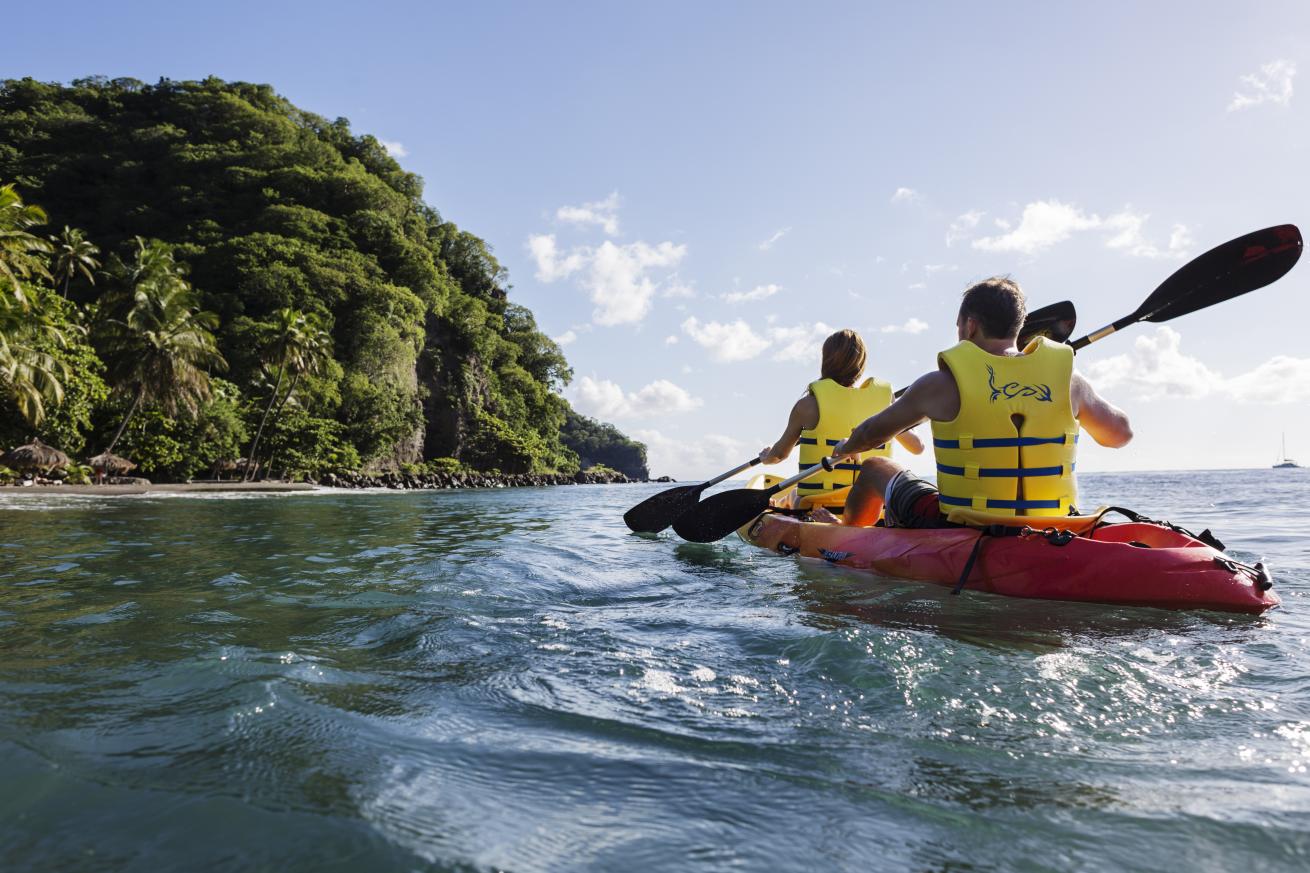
(733,472)
(1106,331)
(1126,321)
(825,464)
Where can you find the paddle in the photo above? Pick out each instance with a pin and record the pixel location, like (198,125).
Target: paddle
(721,514)
(1055,322)
(1226,271)
(656,513)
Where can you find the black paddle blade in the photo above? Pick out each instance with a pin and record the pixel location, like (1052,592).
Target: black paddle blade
(656,513)
(717,516)
(1055,322)
(1226,271)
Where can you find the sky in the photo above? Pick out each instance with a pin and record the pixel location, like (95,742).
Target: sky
(690,196)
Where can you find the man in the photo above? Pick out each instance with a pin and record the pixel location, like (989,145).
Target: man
(1005,424)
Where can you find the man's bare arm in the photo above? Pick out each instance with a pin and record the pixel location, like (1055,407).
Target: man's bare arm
(921,401)
(1107,423)
(910,440)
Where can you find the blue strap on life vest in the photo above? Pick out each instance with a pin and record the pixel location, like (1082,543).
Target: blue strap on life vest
(1000,504)
(1004,442)
(1003,472)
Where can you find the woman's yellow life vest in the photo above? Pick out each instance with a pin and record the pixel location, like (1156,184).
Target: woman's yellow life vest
(840,410)
(1011,449)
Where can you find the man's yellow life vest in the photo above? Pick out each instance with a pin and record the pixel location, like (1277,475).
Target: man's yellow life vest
(840,410)
(1011,449)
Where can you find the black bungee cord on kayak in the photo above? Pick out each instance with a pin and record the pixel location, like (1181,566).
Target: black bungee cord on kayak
(1052,535)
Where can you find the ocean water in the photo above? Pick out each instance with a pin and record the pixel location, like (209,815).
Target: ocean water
(510,680)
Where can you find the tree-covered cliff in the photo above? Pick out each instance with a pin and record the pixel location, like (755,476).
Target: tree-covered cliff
(356,324)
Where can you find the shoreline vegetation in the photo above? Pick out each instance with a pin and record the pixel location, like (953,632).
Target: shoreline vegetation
(242,289)
(395,481)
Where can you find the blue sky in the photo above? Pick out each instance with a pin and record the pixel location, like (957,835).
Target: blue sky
(691,195)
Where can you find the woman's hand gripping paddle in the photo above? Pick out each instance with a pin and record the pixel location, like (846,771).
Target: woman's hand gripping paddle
(717,516)
(656,513)
(1226,271)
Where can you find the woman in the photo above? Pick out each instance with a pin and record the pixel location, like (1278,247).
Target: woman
(826,415)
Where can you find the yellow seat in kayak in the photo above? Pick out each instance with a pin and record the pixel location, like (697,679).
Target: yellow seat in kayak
(834,501)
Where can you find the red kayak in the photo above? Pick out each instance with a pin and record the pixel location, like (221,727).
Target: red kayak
(1139,563)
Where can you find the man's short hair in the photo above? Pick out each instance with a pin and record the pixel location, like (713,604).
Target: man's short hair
(997,304)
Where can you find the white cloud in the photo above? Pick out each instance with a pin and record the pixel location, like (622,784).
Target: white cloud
(696,458)
(1044,224)
(726,342)
(1156,367)
(599,212)
(911,326)
(606,400)
(550,266)
(671,340)
(618,282)
(738,341)
(616,276)
(393,148)
(1048,222)
(799,343)
(565,338)
(678,288)
(768,243)
(963,226)
(906,195)
(1273,84)
(1127,228)
(931,269)
(759,292)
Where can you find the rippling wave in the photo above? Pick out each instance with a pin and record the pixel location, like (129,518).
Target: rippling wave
(510,680)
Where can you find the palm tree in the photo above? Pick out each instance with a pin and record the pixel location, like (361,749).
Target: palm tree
(20,251)
(297,344)
(28,374)
(74,254)
(155,340)
(317,349)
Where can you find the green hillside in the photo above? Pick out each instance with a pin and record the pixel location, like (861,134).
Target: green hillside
(358,328)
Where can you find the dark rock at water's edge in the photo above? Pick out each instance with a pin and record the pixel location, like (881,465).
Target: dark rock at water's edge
(422,481)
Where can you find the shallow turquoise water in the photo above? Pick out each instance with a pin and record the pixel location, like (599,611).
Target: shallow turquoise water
(510,680)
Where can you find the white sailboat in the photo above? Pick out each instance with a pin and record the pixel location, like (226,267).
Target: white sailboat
(1286,462)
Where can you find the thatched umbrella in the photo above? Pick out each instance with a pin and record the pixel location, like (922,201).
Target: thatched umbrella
(34,455)
(222,466)
(111,464)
